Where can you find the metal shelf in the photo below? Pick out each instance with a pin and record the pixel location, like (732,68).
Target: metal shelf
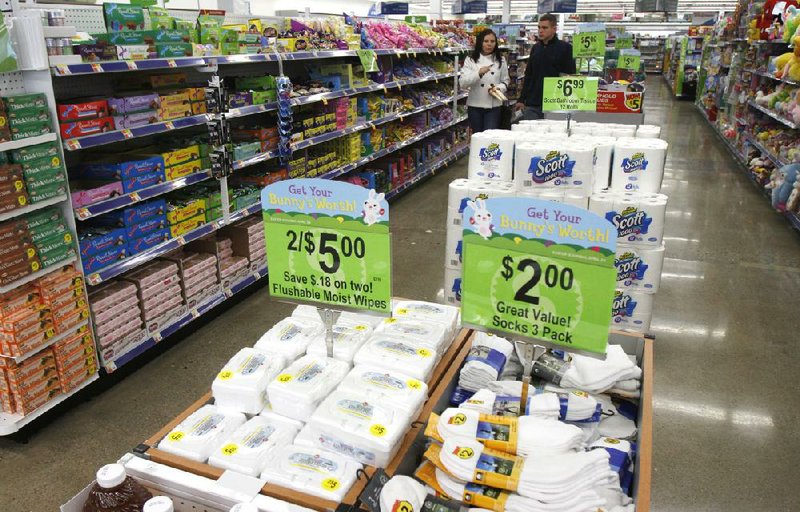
(319,139)
(101,139)
(127,264)
(52,341)
(386,151)
(456,154)
(32,207)
(30,141)
(767,153)
(122,201)
(770,75)
(261,157)
(11,423)
(119,66)
(772,114)
(196,312)
(37,275)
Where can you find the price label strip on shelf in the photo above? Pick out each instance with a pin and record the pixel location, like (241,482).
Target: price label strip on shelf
(538,270)
(328,244)
(570,94)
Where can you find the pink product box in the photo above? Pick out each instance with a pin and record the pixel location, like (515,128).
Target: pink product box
(198,287)
(261,255)
(232,266)
(154,289)
(108,295)
(117,336)
(108,314)
(131,316)
(162,308)
(199,266)
(165,295)
(257,246)
(93,195)
(226,253)
(152,273)
(207,275)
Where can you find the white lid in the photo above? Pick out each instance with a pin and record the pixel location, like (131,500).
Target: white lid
(158,504)
(244,507)
(309,379)
(111,475)
(432,334)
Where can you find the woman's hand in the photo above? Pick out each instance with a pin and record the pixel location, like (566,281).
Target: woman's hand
(485,69)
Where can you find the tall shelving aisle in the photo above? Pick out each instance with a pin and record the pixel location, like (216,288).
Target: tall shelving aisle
(164,206)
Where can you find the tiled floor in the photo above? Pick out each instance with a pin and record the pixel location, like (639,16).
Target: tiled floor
(726,401)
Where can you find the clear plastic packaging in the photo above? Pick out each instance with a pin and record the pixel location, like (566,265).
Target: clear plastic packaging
(432,334)
(298,390)
(391,353)
(241,385)
(290,337)
(392,386)
(432,312)
(347,340)
(201,433)
(250,447)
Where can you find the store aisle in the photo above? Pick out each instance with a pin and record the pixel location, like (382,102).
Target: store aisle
(724,426)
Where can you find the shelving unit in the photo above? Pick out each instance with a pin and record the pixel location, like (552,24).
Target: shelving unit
(86,79)
(652,52)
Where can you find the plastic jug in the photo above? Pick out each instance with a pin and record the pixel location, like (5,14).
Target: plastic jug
(115,491)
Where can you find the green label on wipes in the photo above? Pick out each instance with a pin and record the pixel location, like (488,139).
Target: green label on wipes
(328,244)
(589,44)
(539,270)
(573,93)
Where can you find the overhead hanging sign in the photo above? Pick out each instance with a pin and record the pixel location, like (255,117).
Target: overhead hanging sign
(538,270)
(589,40)
(469,7)
(576,93)
(557,6)
(328,244)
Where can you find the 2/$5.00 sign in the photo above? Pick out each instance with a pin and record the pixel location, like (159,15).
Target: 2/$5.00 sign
(538,270)
(328,244)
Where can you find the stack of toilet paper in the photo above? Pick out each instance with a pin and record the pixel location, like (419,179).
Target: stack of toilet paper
(638,165)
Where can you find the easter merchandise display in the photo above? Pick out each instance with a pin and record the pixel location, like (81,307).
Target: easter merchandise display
(616,176)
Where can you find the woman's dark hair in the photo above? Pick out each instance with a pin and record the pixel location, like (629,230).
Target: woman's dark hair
(478,51)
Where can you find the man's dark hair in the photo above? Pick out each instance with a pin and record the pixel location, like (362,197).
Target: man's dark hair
(549,17)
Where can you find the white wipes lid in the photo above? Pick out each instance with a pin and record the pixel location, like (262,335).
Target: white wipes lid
(247,372)
(431,334)
(391,353)
(309,379)
(312,471)
(199,434)
(248,449)
(290,336)
(446,315)
(397,388)
(347,339)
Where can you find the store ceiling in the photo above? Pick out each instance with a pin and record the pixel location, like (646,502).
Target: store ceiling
(521,8)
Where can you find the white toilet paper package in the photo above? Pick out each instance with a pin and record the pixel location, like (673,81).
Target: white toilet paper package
(241,385)
(639,268)
(638,218)
(312,471)
(391,386)
(248,449)
(638,165)
(290,337)
(201,433)
(452,286)
(366,430)
(298,389)
(631,311)
(548,165)
(491,156)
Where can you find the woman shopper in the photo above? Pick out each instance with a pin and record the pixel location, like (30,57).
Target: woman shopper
(485,73)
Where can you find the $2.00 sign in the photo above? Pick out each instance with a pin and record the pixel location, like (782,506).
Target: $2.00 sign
(570,93)
(540,270)
(328,244)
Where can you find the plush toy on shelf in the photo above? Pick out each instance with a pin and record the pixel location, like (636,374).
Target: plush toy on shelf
(785,179)
(791,23)
(794,198)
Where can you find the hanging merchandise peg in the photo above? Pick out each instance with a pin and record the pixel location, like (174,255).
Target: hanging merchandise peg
(216,95)
(528,353)
(329,318)
(221,162)
(284,118)
(219,133)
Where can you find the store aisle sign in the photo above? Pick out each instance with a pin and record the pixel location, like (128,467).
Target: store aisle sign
(328,244)
(623,42)
(589,40)
(569,94)
(538,270)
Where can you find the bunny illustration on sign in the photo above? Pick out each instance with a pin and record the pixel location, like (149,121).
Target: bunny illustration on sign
(372,208)
(481,218)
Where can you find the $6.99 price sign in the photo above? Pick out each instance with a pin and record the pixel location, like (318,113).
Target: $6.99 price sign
(328,244)
(542,270)
(569,93)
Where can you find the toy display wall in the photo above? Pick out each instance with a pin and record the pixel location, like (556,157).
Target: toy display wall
(145,233)
(749,91)
(682,62)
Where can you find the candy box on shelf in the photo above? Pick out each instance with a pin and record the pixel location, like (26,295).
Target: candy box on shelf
(182,170)
(146,227)
(102,259)
(89,192)
(134,214)
(142,181)
(123,17)
(87,127)
(121,165)
(99,239)
(148,241)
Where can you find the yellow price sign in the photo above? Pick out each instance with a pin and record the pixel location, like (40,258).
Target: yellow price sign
(424,352)
(330,484)
(377,430)
(414,384)
(230,449)
(176,436)
(225,375)
(464,453)
(285,377)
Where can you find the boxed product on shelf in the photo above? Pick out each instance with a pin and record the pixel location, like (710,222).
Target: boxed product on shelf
(73,129)
(26,386)
(102,259)
(85,193)
(123,17)
(94,239)
(24,102)
(148,241)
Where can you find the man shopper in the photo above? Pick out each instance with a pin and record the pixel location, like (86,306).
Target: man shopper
(550,57)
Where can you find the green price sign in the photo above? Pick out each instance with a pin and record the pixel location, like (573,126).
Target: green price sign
(589,44)
(629,61)
(569,93)
(369,60)
(622,43)
(539,270)
(328,244)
